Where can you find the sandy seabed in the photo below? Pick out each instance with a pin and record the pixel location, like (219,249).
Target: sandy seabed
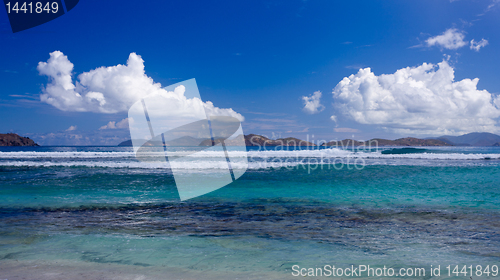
(62,270)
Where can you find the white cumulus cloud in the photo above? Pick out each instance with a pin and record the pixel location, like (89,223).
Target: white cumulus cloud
(312,103)
(451,39)
(116,125)
(418,100)
(478,45)
(112,89)
(71,128)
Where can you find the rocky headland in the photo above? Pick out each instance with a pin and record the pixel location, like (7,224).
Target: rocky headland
(14,140)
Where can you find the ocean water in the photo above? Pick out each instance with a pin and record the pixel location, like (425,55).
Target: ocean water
(95,206)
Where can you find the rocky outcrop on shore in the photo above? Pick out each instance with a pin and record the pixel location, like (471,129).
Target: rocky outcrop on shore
(14,140)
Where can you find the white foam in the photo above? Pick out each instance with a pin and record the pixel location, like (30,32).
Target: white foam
(193,165)
(253,155)
(75,155)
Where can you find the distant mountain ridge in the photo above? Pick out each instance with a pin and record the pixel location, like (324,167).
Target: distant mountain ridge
(254,140)
(471,139)
(408,141)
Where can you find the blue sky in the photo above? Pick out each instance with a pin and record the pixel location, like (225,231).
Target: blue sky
(261,58)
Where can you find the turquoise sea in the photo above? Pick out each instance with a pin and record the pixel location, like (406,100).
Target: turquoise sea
(99,212)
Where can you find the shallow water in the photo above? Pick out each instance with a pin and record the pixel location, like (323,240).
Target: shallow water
(406,210)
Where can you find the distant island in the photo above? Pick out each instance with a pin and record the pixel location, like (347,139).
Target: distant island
(408,141)
(254,140)
(475,139)
(482,139)
(14,140)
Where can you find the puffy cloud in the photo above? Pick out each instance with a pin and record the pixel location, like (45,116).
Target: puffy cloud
(418,100)
(477,45)
(312,103)
(112,89)
(71,128)
(116,125)
(451,39)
